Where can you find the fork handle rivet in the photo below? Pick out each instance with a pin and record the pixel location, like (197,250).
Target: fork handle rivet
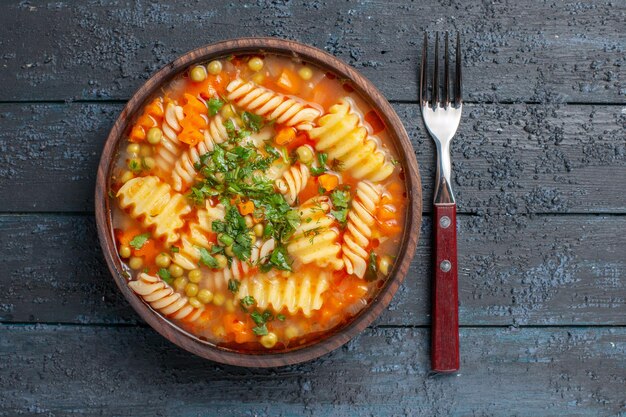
(445,266)
(445,222)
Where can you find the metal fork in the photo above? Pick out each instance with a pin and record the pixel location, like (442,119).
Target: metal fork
(442,118)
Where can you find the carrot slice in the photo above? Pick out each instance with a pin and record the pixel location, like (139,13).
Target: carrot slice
(246,208)
(288,81)
(328,181)
(148,251)
(285,136)
(137,134)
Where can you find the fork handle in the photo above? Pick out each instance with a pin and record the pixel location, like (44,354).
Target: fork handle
(445,324)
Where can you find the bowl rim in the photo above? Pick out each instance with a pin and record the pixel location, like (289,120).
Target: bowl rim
(368,92)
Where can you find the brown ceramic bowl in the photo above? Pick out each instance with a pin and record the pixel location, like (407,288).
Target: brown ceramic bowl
(398,135)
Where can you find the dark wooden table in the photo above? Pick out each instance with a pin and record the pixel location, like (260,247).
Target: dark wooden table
(540,173)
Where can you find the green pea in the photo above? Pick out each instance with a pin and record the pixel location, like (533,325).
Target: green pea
(133,149)
(227,111)
(205,296)
(198,74)
(154,136)
(258,229)
(176,271)
(195,275)
(214,67)
(191,289)
(135,263)
(194,302)
(255,64)
(269,340)
(180,283)
(305,154)
(305,73)
(125,251)
(163,260)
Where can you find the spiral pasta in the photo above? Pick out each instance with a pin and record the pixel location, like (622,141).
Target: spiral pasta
(315,240)
(188,252)
(163,298)
(240,269)
(170,147)
(292,182)
(343,137)
(299,291)
(151,201)
(184,171)
(272,105)
(358,230)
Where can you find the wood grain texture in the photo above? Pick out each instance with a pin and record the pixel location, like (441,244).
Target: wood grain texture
(444,347)
(507,159)
(62,370)
(513,270)
(515,51)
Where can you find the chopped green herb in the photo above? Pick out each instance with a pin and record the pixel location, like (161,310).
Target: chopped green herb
(341,202)
(214,105)
(372,267)
(234,227)
(340,215)
(174,249)
(230,128)
(278,259)
(206,258)
(165,275)
(268,316)
(322,157)
(233,285)
(252,121)
(257,318)
(134,165)
(281,317)
(261,318)
(138,241)
(247,301)
(260,330)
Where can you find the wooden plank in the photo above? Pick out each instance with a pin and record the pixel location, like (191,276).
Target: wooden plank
(67,370)
(511,159)
(514,51)
(513,270)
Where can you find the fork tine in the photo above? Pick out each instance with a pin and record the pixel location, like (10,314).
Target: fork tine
(446,77)
(423,81)
(458,85)
(436,73)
